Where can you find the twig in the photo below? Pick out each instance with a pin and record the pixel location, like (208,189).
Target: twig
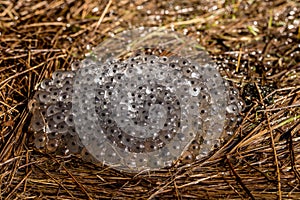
(238,179)
(102,16)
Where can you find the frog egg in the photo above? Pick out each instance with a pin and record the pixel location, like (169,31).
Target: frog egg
(65,97)
(232,108)
(86,156)
(163,59)
(51,125)
(187,157)
(52,145)
(62,127)
(76,65)
(73,143)
(154,163)
(44,97)
(52,110)
(45,83)
(54,135)
(58,75)
(58,118)
(37,122)
(54,93)
(39,140)
(69,119)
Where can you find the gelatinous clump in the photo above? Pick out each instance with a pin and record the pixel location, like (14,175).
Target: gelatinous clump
(142,104)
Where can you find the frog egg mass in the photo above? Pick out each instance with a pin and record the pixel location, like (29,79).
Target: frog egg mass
(142,112)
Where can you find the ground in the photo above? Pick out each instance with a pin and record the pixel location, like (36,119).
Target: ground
(256,43)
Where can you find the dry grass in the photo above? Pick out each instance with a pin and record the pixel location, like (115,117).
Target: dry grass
(258,42)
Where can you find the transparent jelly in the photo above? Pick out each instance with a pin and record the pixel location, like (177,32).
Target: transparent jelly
(139,101)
